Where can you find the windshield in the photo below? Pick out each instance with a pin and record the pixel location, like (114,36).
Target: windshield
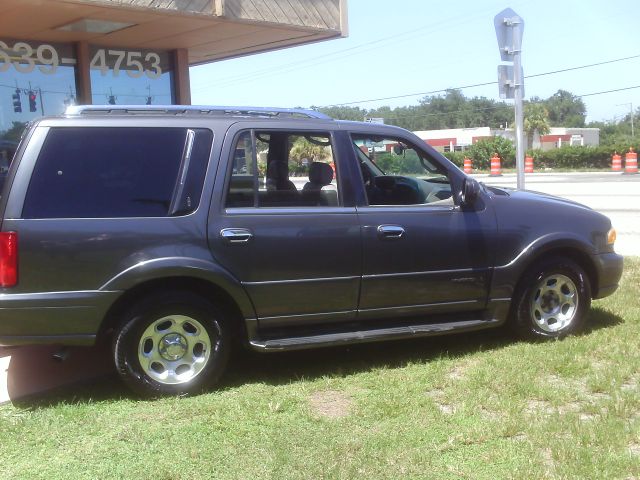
(381,156)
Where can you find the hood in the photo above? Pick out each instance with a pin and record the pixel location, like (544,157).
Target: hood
(533,196)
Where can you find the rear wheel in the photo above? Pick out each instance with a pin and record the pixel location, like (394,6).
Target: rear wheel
(171,344)
(552,299)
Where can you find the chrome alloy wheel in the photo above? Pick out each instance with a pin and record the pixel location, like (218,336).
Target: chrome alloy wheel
(554,303)
(174,349)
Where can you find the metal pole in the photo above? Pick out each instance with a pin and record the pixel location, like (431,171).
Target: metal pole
(630,113)
(518,90)
(41,101)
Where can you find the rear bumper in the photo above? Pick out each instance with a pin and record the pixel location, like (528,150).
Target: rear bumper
(609,270)
(66,318)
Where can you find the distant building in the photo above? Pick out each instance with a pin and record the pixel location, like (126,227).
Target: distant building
(459,139)
(560,136)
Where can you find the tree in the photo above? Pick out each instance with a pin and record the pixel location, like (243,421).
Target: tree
(14,133)
(343,112)
(536,123)
(566,109)
(303,152)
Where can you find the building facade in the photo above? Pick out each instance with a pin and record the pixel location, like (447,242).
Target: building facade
(458,139)
(54,53)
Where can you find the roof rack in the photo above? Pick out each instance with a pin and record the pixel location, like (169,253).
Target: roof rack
(193,110)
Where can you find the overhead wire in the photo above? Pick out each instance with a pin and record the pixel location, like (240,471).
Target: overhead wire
(463,87)
(355,50)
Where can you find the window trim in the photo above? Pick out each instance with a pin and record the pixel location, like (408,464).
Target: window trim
(45,131)
(431,206)
(270,210)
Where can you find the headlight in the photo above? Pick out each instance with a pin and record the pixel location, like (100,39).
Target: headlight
(611,236)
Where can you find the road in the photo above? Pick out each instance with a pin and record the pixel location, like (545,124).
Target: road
(615,195)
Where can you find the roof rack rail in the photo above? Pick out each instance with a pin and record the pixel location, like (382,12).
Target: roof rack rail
(194,110)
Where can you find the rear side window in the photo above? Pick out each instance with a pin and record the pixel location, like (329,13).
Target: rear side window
(118,172)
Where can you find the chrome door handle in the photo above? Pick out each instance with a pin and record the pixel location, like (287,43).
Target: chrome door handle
(390,232)
(236,235)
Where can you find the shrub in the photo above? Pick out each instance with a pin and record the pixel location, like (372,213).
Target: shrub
(456,157)
(568,157)
(482,151)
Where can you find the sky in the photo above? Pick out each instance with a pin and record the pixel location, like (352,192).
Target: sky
(401,47)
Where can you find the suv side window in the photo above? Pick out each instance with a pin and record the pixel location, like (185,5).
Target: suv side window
(96,172)
(395,172)
(282,169)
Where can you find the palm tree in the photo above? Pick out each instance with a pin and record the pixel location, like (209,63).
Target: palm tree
(536,123)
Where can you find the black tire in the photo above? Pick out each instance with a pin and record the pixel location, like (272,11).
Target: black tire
(542,306)
(172,323)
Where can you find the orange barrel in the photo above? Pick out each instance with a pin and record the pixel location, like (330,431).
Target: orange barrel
(467,165)
(631,161)
(528,164)
(496,169)
(616,162)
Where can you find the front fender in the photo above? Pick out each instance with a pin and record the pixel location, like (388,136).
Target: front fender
(506,276)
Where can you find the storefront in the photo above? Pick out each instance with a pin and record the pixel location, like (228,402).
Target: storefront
(54,53)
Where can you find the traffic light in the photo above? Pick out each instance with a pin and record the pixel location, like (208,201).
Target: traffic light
(17,103)
(33,107)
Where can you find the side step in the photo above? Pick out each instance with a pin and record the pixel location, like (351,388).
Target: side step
(373,335)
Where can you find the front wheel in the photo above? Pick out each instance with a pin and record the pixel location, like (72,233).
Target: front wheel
(552,299)
(171,344)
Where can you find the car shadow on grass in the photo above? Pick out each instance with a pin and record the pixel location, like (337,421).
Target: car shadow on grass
(282,368)
(285,367)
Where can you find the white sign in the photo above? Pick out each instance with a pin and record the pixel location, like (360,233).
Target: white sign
(24,58)
(133,61)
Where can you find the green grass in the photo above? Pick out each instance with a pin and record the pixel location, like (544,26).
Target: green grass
(479,406)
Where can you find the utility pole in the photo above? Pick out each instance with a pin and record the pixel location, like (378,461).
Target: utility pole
(630,113)
(509,28)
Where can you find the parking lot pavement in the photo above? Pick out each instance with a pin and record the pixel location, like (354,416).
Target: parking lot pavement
(613,194)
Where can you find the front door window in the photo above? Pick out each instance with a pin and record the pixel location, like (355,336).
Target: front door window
(397,173)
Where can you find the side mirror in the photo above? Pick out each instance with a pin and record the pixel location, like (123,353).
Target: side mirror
(469,192)
(398,149)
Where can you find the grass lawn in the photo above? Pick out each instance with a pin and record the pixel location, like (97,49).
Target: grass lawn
(471,406)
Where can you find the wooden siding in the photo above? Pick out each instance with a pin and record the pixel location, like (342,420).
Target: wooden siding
(203,7)
(320,14)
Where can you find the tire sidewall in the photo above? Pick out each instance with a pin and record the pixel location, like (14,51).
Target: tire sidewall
(127,338)
(524,323)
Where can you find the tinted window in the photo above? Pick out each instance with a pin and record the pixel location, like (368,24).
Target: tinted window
(113,172)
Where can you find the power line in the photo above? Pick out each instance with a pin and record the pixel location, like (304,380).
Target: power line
(583,66)
(410,94)
(484,83)
(609,91)
(313,61)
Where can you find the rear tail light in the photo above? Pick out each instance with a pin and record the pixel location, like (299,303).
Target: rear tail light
(8,259)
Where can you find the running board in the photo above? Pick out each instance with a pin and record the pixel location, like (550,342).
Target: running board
(373,335)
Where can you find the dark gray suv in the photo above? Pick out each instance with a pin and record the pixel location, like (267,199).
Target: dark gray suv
(175,229)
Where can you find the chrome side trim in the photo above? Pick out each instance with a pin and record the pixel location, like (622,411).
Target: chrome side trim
(430,272)
(310,315)
(300,280)
(410,307)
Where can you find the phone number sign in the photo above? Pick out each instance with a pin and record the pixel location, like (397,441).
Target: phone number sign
(25,58)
